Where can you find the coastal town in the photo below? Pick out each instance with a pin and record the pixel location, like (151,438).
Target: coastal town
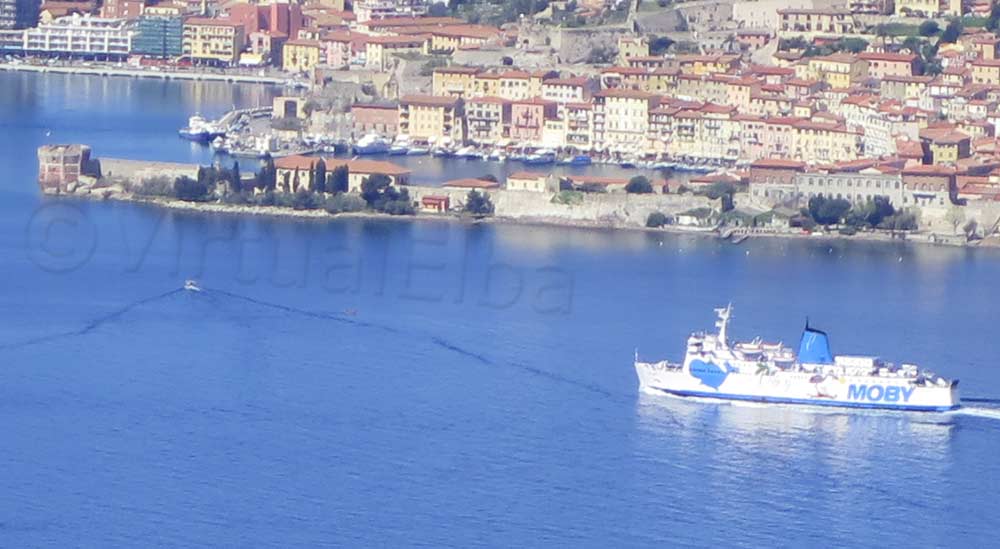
(792,116)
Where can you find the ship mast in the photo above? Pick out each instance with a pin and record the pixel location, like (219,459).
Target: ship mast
(723,323)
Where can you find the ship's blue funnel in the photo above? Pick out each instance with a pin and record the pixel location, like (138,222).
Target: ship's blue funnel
(814,347)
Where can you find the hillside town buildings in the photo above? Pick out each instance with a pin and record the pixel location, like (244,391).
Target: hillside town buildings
(879,117)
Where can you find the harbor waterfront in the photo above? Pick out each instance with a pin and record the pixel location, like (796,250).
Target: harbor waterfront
(373,382)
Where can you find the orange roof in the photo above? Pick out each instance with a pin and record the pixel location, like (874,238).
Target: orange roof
(295,162)
(429,100)
(624,93)
(471,183)
(780,163)
(526,175)
(211,21)
(885,56)
(367,166)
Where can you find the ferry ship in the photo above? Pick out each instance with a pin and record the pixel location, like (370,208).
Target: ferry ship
(773,373)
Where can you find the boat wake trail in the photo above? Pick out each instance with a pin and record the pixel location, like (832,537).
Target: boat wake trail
(304,312)
(90,326)
(436,340)
(981,400)
(989,413)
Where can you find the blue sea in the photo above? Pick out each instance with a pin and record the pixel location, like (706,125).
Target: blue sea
(396,383)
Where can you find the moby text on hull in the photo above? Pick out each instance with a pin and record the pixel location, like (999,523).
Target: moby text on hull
(772,373)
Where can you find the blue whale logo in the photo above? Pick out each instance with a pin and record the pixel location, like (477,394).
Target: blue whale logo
(709,373)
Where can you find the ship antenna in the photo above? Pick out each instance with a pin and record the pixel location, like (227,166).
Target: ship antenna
(723,323)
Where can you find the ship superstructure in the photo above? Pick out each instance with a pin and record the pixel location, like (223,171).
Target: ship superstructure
(773,373)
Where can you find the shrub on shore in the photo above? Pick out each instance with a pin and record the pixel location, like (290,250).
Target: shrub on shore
(657,219)
(639,185)
(344,203)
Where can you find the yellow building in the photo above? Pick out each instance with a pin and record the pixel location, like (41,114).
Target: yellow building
(839,71)
(822,142)
(461,37)
(213,41)
(379,49)
(985,71)
(531,181)
(515,85)
(360,169)
(632,46)
(621,120)
(432,119)
(707,64)
(830,21)
(944,145)
(301,55)
(455,80)
(487,84)
(294,173)
(712,88)
(708,133)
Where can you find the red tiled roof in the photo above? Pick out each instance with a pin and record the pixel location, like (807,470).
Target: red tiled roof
(430,100)
(471,183)
(781,163)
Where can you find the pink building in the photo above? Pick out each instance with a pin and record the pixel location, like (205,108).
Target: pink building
(528,119)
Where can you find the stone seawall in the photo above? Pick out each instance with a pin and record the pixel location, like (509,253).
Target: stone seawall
(604,209)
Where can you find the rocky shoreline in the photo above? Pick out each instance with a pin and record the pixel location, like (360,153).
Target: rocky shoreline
(917,237)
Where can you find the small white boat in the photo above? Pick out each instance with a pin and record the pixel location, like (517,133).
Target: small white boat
(466,152)
(191,285)
(417,151)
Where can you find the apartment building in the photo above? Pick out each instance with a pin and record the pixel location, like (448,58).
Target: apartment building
(81,36)
(831,21)
(432,119)
(213,41)
(454,80)
(302,55)
(621,120)
(488,119)
(366,10)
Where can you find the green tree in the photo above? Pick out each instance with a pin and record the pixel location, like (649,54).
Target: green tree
(659,45)
(338,181)
(913,44)
(853,45)
(657,219)
(929,28)
(191,190)
(237,178)
(993,23)
(952,31)
(304,199)
(319,176)
(639,185)
(379,193)
(828,211)
(267,177)
(478,203)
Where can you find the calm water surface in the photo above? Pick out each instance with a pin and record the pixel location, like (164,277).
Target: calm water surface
(396,383)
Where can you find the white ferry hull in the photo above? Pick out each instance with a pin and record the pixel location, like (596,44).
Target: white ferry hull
(800,388)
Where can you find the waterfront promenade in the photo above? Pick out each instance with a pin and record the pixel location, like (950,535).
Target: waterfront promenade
(146,72)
